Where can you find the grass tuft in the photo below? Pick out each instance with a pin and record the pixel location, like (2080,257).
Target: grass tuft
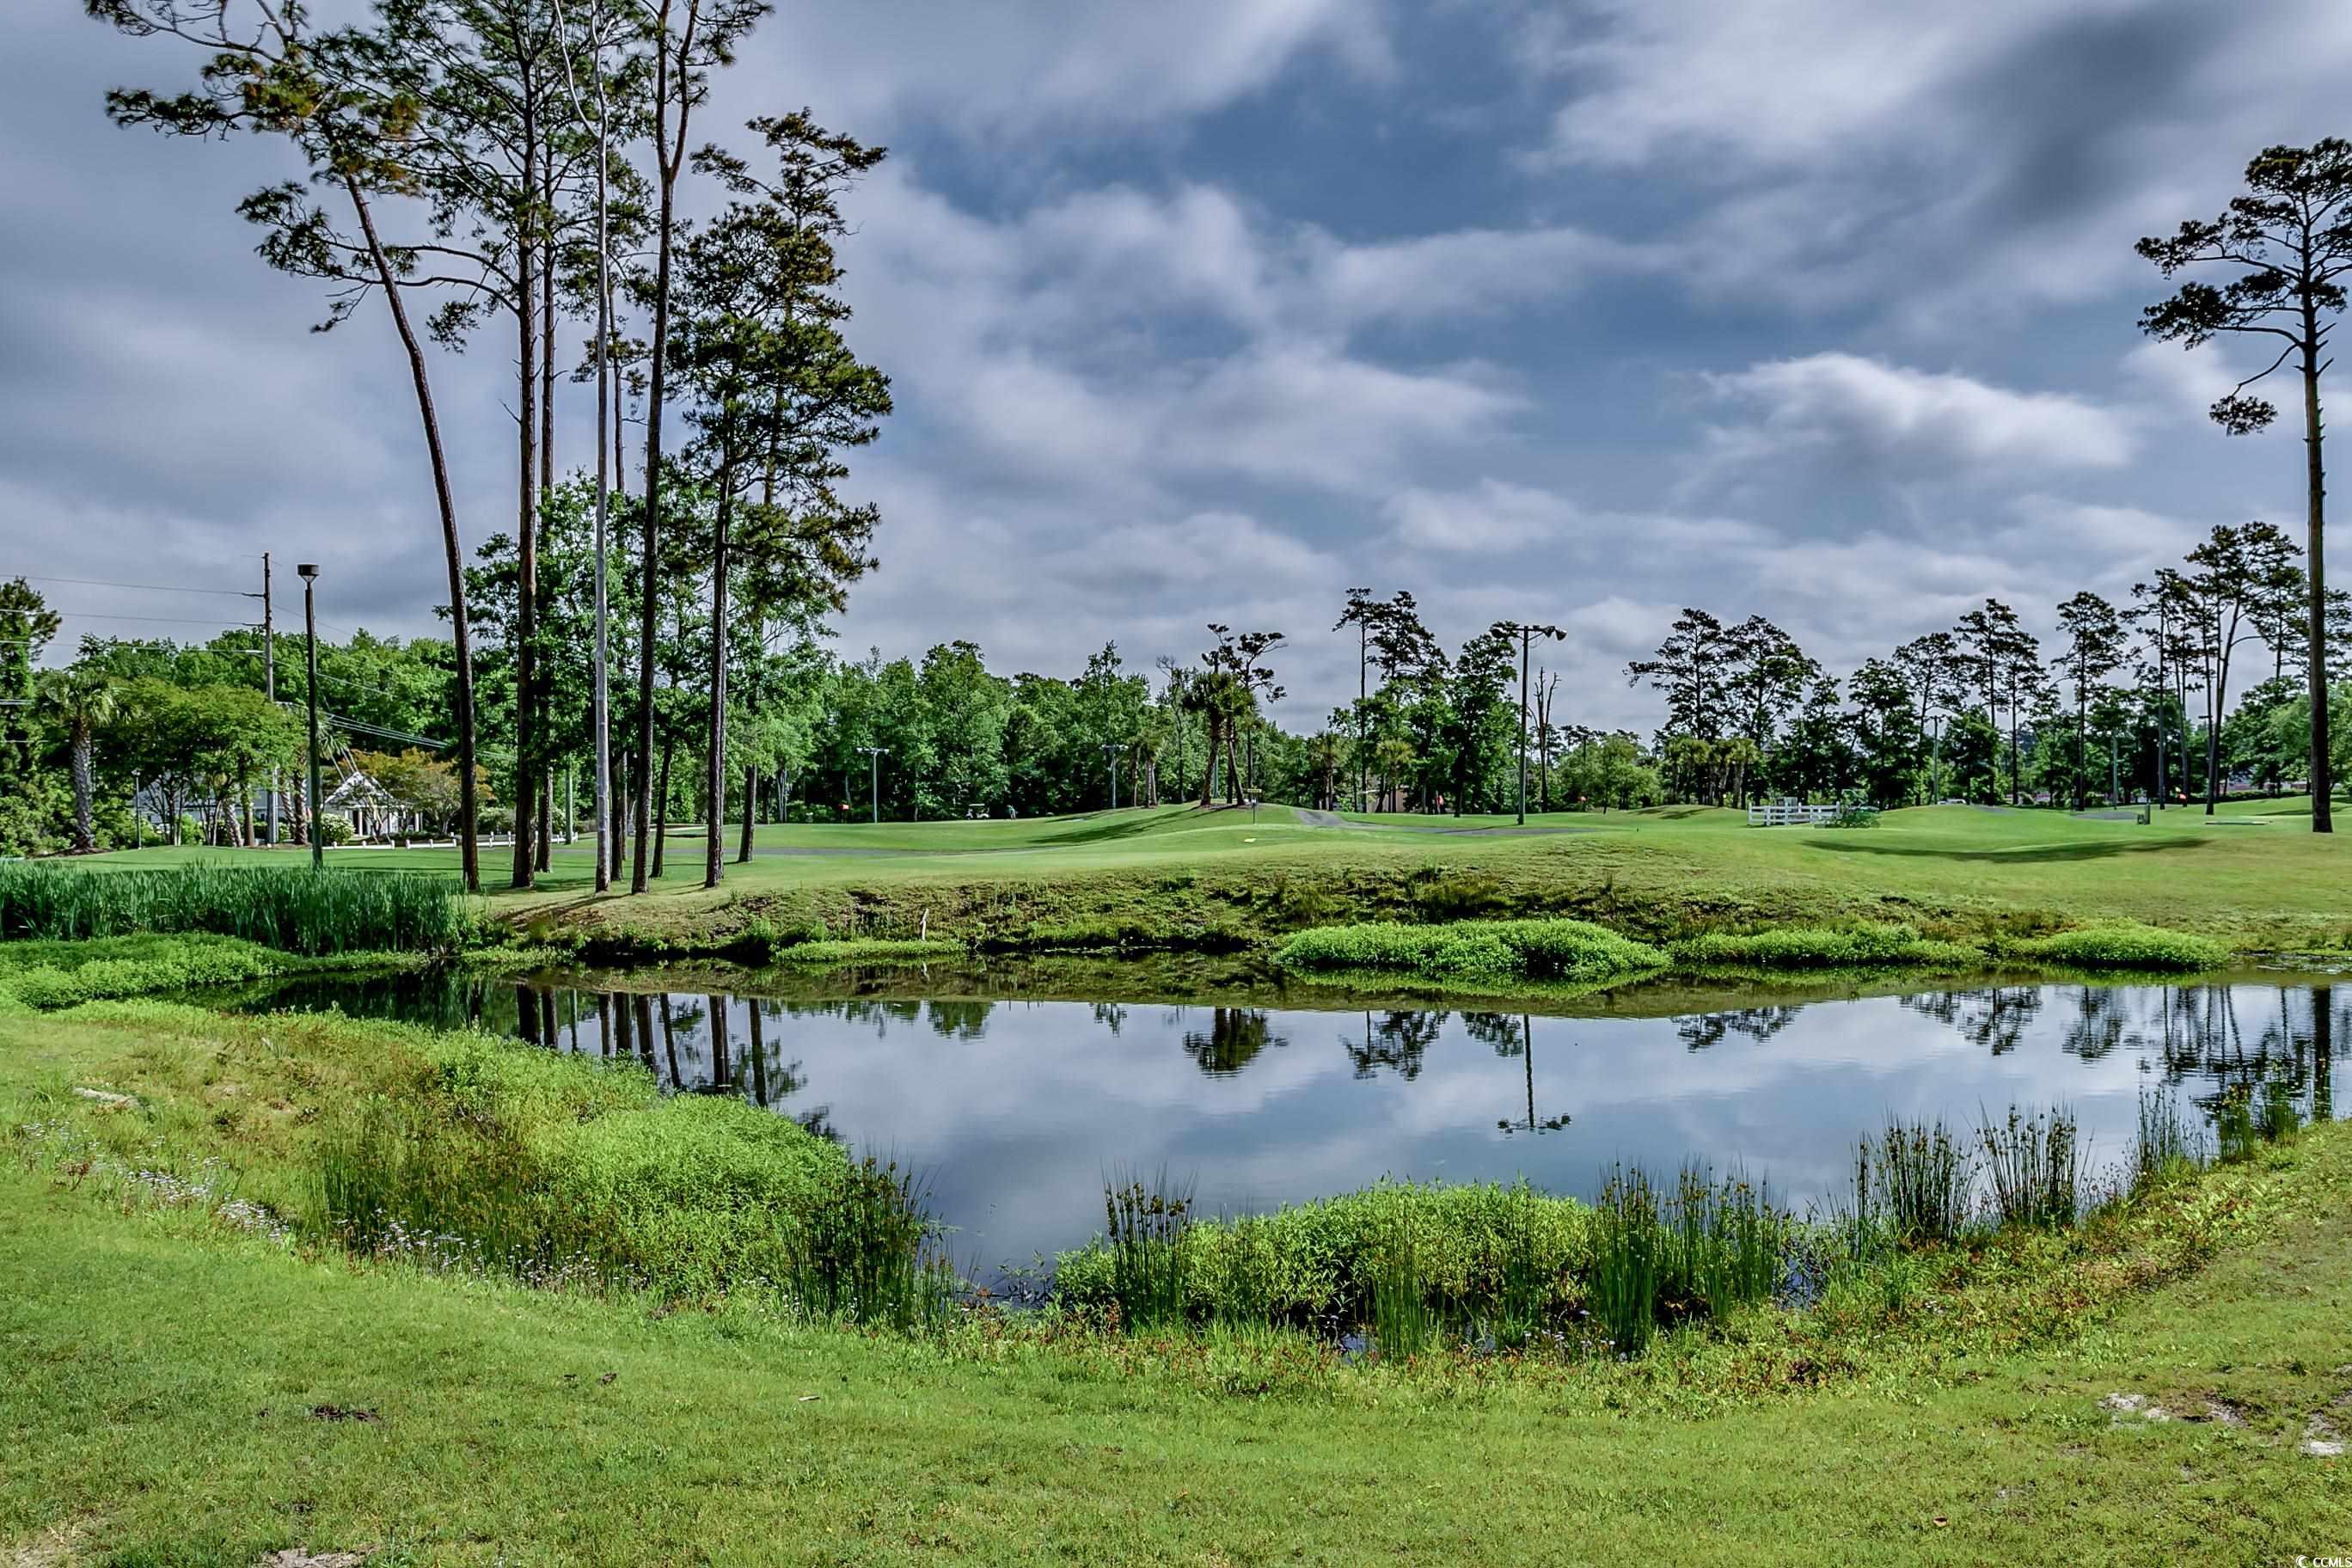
(2122,944)
(1473,951)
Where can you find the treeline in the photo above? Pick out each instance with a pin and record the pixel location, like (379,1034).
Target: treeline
(2142,700)
(516,172)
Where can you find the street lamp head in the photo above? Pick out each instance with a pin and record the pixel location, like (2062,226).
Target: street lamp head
(307,569)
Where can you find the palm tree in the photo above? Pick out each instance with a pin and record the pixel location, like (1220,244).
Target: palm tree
(81,701)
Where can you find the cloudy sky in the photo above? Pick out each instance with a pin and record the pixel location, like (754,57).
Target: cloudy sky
(1822,309)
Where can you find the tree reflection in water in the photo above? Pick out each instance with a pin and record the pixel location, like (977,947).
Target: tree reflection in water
(1514,1037)
(1235,1038)
(1397,1043)
(1995,1017)
(1702,1030)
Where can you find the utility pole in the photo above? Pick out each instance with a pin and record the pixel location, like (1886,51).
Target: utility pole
(874,755)
(1110,750)
(309,573)
(269,680)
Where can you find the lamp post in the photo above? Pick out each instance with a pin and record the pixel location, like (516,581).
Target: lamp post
(1110,750)
(874,755)
(309,571)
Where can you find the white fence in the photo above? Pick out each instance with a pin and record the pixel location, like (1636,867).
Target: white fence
(1789,813)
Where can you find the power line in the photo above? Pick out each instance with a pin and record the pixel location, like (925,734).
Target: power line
(168,620)
(142,587)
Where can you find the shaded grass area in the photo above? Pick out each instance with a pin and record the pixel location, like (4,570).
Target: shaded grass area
(476,1422)
(47,974)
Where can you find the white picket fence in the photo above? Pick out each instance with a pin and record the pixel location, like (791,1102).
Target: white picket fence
(1789,813)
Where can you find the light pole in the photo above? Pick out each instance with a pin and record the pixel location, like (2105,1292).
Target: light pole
(1526,633)
(1110,750)
(874,755)
(309,573)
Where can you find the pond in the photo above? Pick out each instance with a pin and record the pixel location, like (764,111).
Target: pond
(1018,1108)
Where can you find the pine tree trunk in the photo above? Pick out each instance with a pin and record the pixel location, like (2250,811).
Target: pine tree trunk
(661,804)
(469,790)
(750,794)
(714,847)
(2323,814)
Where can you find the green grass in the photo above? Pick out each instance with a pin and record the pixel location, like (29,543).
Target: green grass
(183,1388)
(823,952)
(288,906)
(1860,946)
(1476,953)
(148,1422)
(47,974)
(2121,944)
(450,1149)
(2254,879)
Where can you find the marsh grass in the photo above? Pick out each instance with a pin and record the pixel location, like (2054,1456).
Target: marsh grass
(2035,1163)
(2168,1146)
(292,909)
(867,1251)
(1629,1261)
(1917,1180)
(1729,1244)
(1402,1322)
(1858,946)
(1145,1224)
(2121,944)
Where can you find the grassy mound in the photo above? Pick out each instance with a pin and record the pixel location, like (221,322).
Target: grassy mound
(1822,947)
(458,1151)
(2122,944)
(1474,951)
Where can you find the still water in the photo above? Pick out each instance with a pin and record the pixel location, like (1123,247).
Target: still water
(1018,1109)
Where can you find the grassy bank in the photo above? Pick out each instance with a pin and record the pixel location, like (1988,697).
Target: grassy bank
(36,975)
(440,1420)
(2253,880)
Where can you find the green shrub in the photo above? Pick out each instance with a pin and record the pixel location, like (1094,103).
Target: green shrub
(1821,947)
(292,909)
(2122,944)
(1474,951)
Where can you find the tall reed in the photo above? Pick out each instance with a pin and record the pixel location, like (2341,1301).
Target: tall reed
(2036,1164)
(289,908)
(867,1251)
(2167,1145)
(1402,1324)
(1145,1227)
(1629,1247)
(1729,1244)
(1917,1180)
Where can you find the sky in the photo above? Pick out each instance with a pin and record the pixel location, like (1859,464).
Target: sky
(1823,310)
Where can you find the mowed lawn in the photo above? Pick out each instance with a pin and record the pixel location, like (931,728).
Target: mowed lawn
(2253,875)
(177,1394)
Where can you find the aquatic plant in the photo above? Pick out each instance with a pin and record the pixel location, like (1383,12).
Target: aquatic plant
(865,1251)
(1629,1259)
(1917,1180)
(292,908)
(1402,1323)
(2035,1163)
(2166,1146)
(1145,1227)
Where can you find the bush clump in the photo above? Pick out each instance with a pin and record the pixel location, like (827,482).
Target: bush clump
(1476,951)
(1824,947)
(2122,944)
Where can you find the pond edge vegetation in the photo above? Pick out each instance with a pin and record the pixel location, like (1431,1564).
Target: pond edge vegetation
(465,1153)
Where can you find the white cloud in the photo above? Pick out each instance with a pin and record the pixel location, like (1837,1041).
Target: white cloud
(1017,66)
(1910,423)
